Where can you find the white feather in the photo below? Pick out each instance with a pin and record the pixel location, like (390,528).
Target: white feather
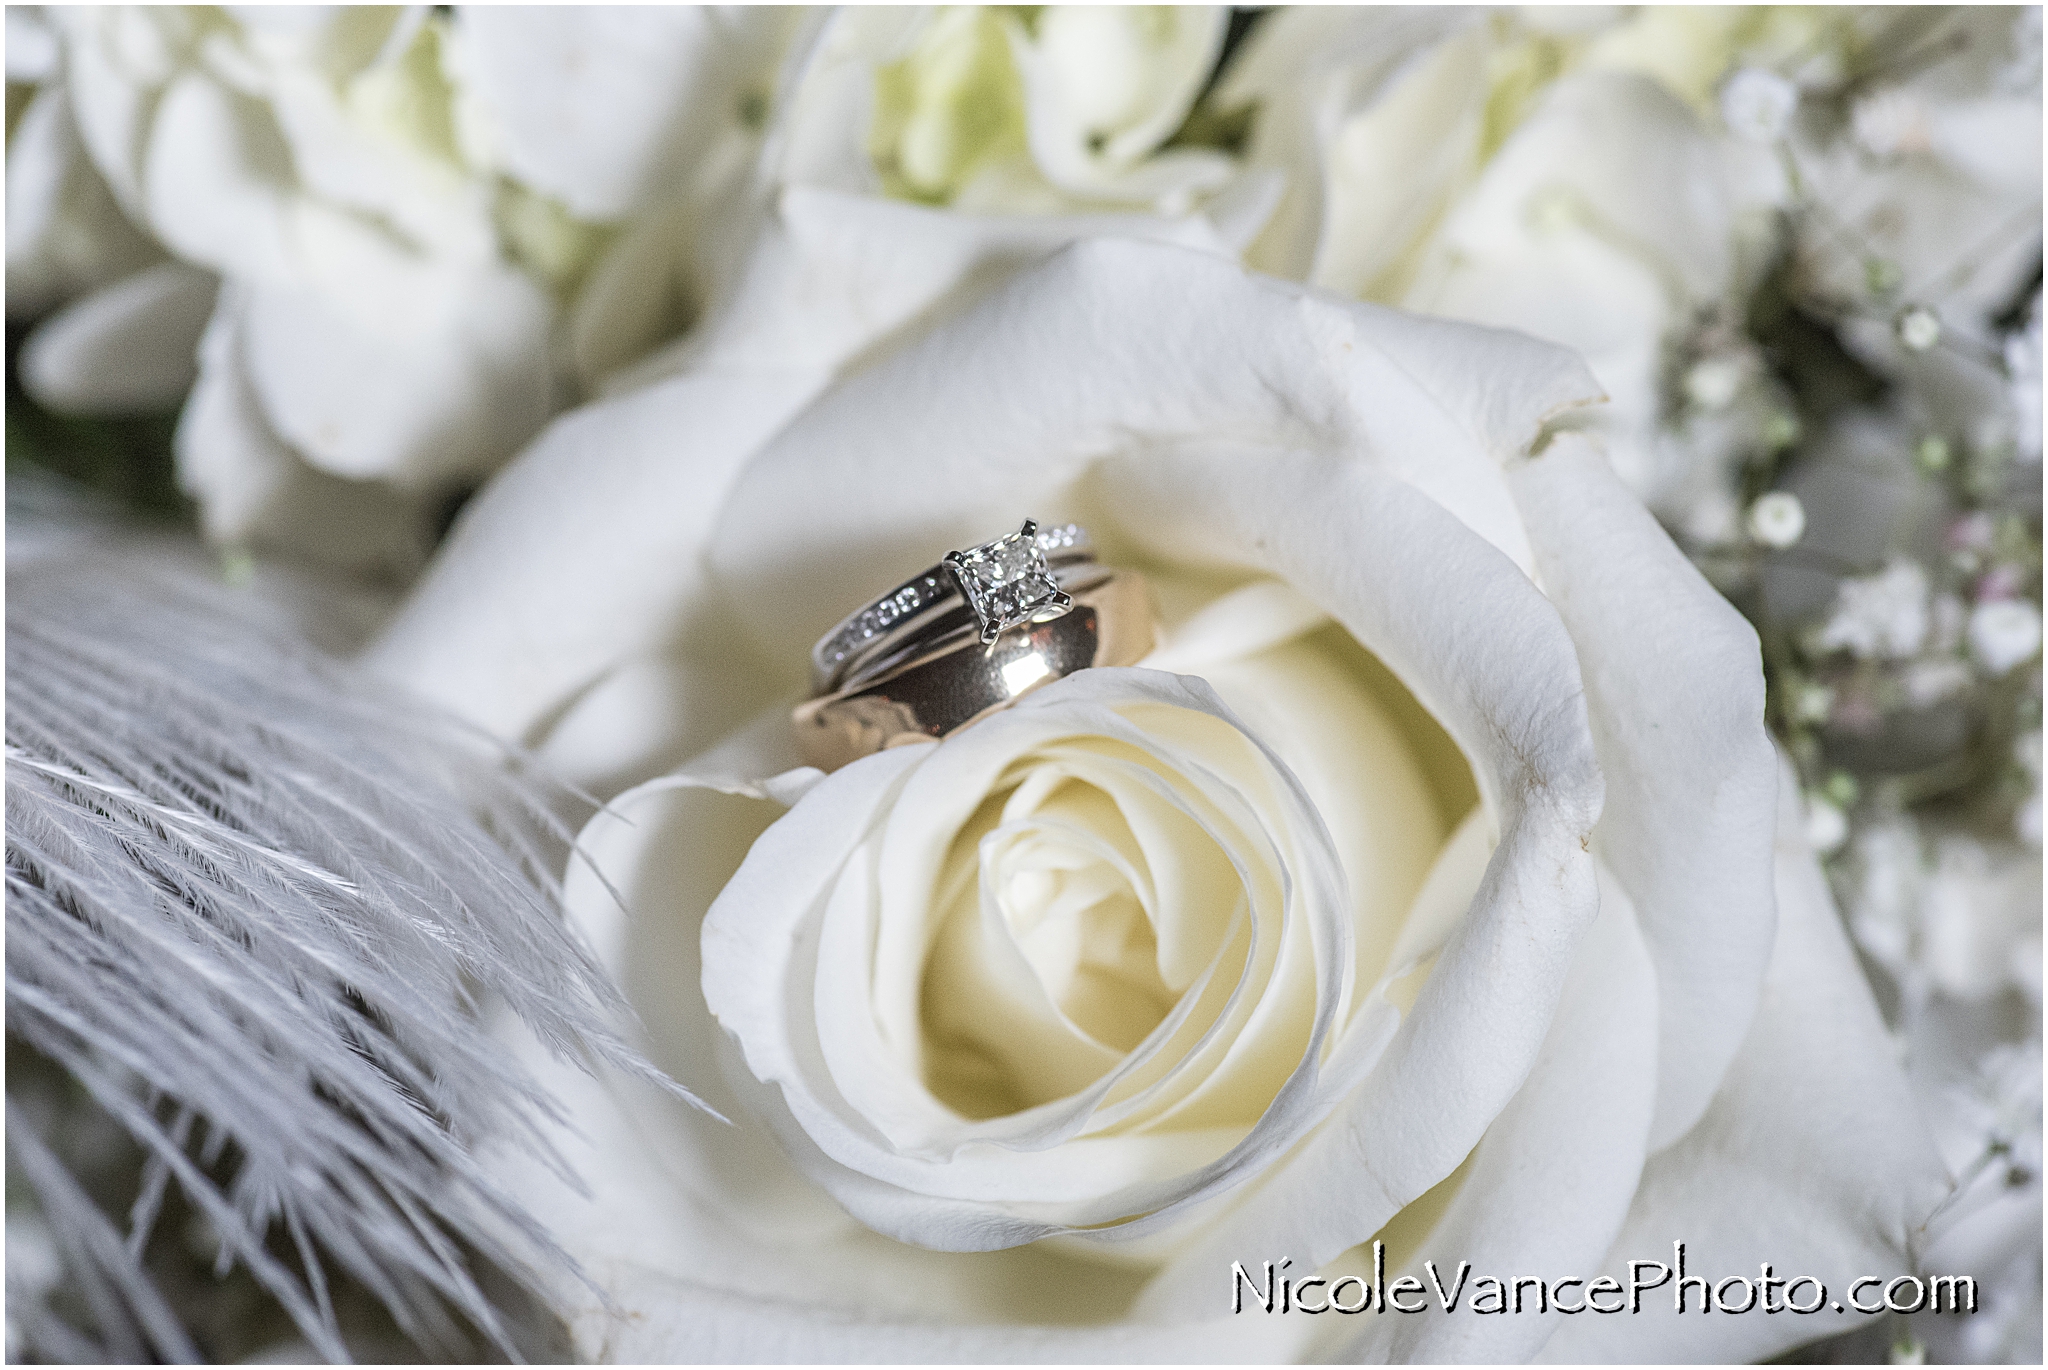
(254,906)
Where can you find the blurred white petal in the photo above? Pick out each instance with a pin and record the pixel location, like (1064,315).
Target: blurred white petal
(610,110)
(129,348)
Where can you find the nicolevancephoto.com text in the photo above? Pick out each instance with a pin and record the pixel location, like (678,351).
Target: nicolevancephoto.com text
(1272,1290)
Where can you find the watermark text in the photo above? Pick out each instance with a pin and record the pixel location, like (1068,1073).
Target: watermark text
(1271,1289)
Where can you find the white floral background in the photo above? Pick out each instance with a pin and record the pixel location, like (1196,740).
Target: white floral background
(1589,463)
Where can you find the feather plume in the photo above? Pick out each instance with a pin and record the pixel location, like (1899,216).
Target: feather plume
(255,907)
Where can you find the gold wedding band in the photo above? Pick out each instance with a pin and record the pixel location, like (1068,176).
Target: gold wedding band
(960,679)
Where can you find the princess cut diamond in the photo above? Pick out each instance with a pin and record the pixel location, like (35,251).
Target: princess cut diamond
(1008,583)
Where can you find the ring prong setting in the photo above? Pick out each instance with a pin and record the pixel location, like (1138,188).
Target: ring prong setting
(1008,583)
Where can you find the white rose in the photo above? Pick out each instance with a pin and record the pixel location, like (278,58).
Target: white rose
(1580,1031)
(1572,182)
(306,158)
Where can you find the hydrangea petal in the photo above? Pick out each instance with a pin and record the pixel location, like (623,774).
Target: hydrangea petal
(611,109)
(252,488)
(130,347)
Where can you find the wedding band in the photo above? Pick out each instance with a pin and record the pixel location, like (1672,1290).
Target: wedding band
(960,680)
(1024,577)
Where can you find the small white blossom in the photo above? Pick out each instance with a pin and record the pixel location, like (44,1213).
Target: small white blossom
(1781,430)
(1812,701)
(1981,918)
(1950,616)
(1757,104)
(1918,328)
(1715,382)
(2004,633)
(1777,519)
(2003,1097)
(1891,123)
(1885,615)
(1826,826)
(1927,682)
(1884,897)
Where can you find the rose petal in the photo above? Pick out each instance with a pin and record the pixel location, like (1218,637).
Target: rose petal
(670,1321)
(41,147)
(951,1191)
(1614,155)
(588,550)
(216,177)
(1307,700)
(348,149)
(1110,345)
(115,57)
(838,273)
(826,108)
(585,551)
(699,1232)
(657,711)
(347,305)
(1675,690)
(1369,240)
(1604,223)
(1482,649)
(1812,1156)
(1549,1185)
(129,348)
(1234,626)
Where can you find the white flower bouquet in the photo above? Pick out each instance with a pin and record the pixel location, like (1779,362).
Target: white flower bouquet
(1495,816)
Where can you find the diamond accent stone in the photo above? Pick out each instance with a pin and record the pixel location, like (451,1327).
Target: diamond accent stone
(877,617)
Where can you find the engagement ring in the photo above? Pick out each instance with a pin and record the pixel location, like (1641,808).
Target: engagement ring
(1014,580)
(967,638)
